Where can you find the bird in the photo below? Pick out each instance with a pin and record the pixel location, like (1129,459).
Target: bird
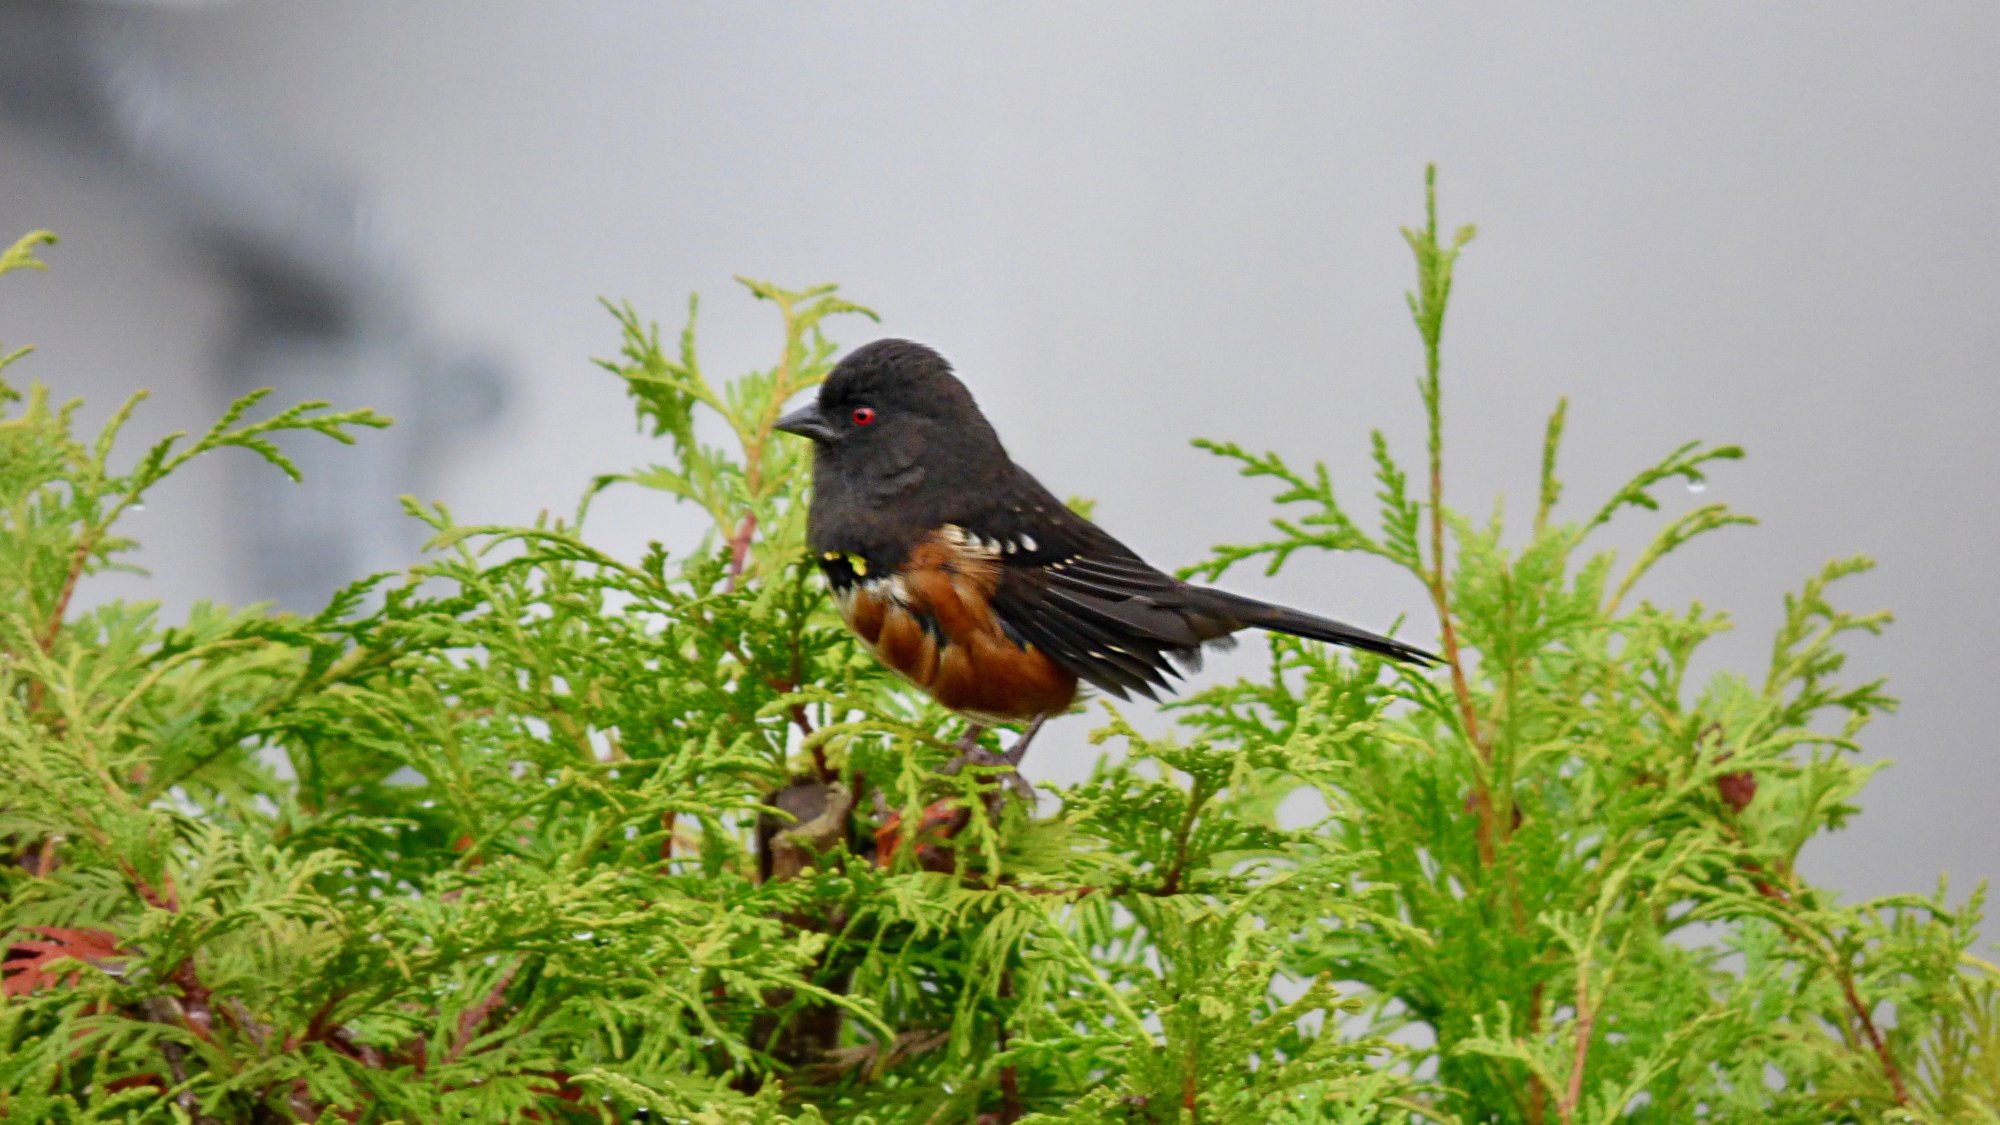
(968,578)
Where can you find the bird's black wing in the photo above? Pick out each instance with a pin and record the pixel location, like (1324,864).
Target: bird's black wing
(1071,590)
(1099,610)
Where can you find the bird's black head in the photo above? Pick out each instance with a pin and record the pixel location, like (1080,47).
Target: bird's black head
(892,419)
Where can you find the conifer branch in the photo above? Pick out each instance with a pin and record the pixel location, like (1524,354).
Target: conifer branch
(527,745)
(1427,307)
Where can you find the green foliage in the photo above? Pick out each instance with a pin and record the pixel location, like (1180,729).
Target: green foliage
(531,832)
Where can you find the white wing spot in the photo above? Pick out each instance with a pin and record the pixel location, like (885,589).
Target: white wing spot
(889,586)
(1027,543)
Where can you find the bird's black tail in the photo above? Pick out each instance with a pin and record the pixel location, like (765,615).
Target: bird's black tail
(1279,619)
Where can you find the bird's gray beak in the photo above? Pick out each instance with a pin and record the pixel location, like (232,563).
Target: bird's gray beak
(807,422)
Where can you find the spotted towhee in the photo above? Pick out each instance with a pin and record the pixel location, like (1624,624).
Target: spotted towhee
(972,581)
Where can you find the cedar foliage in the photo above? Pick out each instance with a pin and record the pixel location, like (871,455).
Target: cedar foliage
(534,833)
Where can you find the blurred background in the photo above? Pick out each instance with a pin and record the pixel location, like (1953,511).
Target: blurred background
(1128,224)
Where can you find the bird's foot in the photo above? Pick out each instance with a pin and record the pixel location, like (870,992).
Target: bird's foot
(980,756)
(971,753)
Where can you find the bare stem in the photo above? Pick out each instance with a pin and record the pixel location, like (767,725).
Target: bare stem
(1538,1097)
(1189,1090)
(1875,1040)
(1863,1015)
(176,1056)
(739,549)
(1468,715)
(473,1018)
(1586,1018)
(1178,868)
(1011,1107)
(78,559)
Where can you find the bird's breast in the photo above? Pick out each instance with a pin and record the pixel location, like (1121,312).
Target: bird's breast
(931,621)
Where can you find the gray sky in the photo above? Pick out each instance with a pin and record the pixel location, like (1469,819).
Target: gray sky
(1134,224)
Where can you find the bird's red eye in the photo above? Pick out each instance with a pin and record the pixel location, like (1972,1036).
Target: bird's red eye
(863,415)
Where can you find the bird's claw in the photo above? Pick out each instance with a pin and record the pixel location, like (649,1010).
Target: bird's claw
(980,756)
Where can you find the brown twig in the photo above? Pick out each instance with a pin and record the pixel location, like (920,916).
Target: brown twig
(299,1099)
(1875,1040)
(259,1033)
(197,1014)
(1537,1096)
(1586,1018)
(823,767)
(46,640)
(1011,1107)
(739,549)
(44,861)
(1434,582)
(1177,869)
(1863,1015)
(317,1026)
(470,1020)
(157,899)
(1845,975)
(164,1011)
(1482,799)
(776,683)
(78,559)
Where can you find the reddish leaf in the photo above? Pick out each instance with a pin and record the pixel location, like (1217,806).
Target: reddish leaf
(26,967)
(137,1081)
(941,821)
(568,1092)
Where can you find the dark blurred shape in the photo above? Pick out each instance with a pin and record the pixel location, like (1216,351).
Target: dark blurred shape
(327,309)
(1737,789)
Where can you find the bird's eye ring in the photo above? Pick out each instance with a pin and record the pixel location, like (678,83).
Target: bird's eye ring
(863,415)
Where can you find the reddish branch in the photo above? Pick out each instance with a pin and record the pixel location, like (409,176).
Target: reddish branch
(1177,869)
(161,1011)
(779,684)
(1586,1017)
(473,1018)
(1011,1107)
(193,1009)
(739,549)
(1189,1089)
(739,557)
(1537,1096)
(1875,1040)
(1862,1013)
(78,559)
(46,862)
(1482,799)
